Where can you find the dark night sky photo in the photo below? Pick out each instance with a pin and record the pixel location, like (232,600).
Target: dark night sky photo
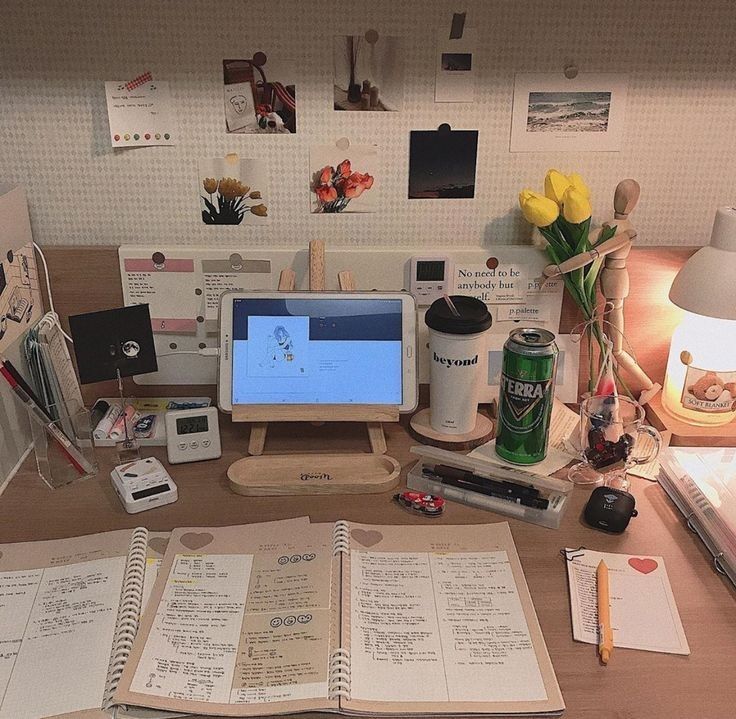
(442,164)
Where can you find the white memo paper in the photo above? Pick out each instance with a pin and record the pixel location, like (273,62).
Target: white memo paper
(643,610)
(141,117)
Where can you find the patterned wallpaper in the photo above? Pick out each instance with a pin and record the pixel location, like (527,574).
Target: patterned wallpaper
(680,141)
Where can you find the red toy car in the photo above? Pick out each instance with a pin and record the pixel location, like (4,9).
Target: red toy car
(426,504)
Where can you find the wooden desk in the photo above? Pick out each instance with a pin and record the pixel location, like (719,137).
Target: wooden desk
(636,685)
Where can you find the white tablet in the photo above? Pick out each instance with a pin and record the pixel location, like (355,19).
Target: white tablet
(317,348)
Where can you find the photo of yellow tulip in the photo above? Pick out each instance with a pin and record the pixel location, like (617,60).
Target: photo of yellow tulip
(231,191)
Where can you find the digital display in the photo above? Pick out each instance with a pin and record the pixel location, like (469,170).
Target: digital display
(313,351)
(150,492)
(192,425)
(430,270)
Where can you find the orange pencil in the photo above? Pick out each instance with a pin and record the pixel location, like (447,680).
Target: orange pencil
(605,631)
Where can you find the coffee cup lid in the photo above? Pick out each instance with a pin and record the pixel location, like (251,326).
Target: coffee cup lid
(474,316)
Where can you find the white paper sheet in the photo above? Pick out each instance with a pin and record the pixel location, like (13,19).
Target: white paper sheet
(21,304)
(141,117)
(439,627)
(196,659)
(168,291)
(643,610)
(503,284)
(455,70)
(46,616)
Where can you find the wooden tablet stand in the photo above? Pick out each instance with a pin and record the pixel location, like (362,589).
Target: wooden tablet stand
(314,473)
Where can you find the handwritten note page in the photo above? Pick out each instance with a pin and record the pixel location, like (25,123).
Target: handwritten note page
(643,610)
(439,627)
(191,650)
(240,629)
(141,117)
(48,615)
(168,289)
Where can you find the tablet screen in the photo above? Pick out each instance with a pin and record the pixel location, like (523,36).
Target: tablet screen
(317,351)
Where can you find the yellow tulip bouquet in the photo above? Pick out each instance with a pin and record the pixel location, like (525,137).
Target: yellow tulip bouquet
(563,215)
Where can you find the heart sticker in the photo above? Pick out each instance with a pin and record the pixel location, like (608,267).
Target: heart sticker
(195,541)
(645,566)
(366,537)
(158,544)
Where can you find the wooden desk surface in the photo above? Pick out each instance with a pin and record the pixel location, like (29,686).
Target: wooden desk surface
(635,685)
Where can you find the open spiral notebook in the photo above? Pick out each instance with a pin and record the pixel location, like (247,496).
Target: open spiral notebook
(271,618)
(357,619)
(69,613)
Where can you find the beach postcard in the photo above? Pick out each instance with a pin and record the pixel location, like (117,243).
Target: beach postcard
(552,112)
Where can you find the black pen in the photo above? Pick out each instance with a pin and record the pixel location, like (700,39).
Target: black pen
(526,496)
(504,486)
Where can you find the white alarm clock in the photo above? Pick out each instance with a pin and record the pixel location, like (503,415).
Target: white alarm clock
(143,484)
(192,435)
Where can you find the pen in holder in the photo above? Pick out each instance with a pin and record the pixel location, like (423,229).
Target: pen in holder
(64,449)
(126,445)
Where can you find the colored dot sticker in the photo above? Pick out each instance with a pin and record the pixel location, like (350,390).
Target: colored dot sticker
(126,137)
(136,136)
(147,136)
(117,138)
(158,135)
(167,136)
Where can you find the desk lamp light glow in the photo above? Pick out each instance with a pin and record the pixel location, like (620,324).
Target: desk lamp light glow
(700,384)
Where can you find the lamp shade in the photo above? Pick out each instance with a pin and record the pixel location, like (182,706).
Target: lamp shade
(706,283)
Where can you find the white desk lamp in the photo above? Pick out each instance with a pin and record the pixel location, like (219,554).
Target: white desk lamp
(700,384)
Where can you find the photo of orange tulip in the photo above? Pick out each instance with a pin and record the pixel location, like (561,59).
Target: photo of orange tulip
(340,187)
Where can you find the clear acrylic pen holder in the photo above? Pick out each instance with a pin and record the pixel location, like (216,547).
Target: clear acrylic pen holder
(64,449)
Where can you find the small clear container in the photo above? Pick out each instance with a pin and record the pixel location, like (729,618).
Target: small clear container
(64,449)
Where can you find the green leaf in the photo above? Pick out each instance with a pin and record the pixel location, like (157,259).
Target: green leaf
(590,279)
(606,234)
(583,242)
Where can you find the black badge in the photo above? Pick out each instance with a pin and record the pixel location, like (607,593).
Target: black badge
(609,509)
(112,341)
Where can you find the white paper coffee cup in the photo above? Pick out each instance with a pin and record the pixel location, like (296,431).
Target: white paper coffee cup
(458,361)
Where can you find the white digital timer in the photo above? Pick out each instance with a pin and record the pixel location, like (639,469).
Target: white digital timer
(192,435)
(430,278)
(143,484)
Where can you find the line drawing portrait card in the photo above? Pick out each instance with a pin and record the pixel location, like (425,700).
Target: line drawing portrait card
(260,95)
(553,113)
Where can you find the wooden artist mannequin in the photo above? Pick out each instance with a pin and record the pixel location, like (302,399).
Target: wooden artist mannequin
(614,279)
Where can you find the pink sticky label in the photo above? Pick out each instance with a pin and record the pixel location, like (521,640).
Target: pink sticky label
(147,265)
(162,325)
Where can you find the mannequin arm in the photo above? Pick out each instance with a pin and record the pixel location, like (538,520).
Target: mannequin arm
(585,258)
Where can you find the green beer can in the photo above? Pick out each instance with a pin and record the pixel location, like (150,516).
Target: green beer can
(525,395)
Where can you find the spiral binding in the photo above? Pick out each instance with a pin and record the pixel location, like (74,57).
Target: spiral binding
(339,674)
(129,612)
(340,538)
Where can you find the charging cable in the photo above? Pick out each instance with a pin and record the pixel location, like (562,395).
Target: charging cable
(48,291)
